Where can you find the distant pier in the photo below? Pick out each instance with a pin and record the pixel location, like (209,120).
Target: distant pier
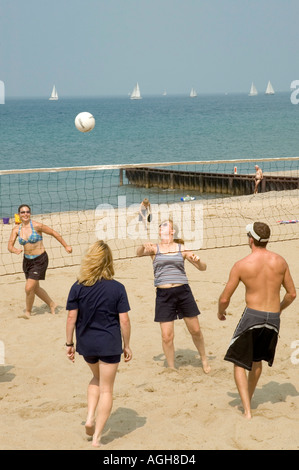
(204,182)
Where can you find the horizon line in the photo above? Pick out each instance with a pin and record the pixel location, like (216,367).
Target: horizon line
(121,95)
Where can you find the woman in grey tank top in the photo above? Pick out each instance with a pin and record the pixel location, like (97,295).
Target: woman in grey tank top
(174,298)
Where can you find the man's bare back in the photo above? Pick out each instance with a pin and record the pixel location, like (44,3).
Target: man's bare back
(262,272)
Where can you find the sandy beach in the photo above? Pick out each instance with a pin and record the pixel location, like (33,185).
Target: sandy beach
(43,395)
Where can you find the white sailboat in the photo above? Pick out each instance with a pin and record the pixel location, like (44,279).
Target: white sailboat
(193,93)
(54,94)
(269,89)
(253,90)
(135,95)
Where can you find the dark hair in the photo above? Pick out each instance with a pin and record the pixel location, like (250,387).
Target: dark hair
(23,205)
(263,231)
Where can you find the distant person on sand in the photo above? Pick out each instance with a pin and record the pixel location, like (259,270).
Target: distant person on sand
(263,273)
(174,298)
(145,212)
(98,311)
(258,178)
(35,260)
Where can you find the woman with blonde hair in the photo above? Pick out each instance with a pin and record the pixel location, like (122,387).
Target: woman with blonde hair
(174,298)
(98,310)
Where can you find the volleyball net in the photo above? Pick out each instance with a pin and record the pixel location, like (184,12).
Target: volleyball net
(210,203)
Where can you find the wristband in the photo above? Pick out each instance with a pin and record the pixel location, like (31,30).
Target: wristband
(69,345)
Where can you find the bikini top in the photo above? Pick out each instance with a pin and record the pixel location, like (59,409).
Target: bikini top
(33,238)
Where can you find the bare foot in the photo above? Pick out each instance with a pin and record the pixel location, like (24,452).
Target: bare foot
(53,307)
(25,315)
(96,441)
(247,415)
(206,367)
(89,428)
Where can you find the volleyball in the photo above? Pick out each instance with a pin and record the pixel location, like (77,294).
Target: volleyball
(85,122)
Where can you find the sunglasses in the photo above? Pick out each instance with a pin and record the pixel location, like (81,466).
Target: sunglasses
(25,212)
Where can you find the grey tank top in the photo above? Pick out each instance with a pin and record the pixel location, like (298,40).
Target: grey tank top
(169,268)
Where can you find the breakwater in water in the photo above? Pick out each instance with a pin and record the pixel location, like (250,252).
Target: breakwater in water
(205,182)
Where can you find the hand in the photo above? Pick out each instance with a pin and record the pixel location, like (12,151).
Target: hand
(68,249)
(18,251)
(148,248)
(127,354)
(70,352)
(195,260)
(222,316)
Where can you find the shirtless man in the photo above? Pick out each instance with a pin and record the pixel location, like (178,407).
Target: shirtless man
(258,178)
(263,273)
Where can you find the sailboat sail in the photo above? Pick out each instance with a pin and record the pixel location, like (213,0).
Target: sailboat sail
(54,94)
(269,89)
(253,90)
(135,95)
(193,93)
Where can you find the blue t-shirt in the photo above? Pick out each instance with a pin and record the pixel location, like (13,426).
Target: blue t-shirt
(97,326)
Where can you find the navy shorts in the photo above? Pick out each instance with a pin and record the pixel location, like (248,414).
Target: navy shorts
(175,302)
(36,268)
(108,359)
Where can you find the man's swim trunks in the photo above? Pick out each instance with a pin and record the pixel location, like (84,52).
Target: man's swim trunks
(254,339)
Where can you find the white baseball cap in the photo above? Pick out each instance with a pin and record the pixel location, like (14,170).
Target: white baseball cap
(250,231)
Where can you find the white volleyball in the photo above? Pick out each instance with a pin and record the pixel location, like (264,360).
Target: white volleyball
(85,122)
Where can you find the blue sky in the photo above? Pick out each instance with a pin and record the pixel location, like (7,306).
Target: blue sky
(103,47)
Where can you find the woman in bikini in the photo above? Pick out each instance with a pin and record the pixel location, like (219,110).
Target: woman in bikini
(174,298)
(35,260)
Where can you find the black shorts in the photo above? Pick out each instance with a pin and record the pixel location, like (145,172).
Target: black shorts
(36,268)
(175,302)
(254,339)
(108,359)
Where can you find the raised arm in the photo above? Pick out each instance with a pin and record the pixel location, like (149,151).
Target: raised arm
(195,260)
(147,249)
